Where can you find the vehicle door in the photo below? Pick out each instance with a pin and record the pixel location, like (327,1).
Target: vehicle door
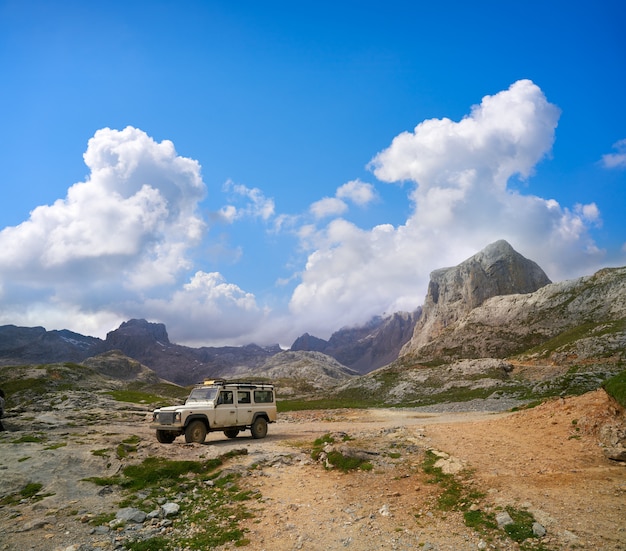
(225,409)
(244,407)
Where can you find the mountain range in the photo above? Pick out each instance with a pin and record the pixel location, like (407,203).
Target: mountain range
(493,305)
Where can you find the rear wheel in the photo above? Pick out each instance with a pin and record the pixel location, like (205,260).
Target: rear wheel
(259,428)
(165,436)
(231,433)
(195,432)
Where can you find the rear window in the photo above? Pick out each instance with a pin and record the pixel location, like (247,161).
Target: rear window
(263,396)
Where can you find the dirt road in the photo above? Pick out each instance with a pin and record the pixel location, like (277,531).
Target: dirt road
(545,460)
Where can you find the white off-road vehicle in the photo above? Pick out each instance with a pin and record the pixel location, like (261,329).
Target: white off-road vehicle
(218,405)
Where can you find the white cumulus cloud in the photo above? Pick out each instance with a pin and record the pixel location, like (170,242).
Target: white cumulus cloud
(255,204)
(127,228)
(207,306)
(357,191)
(328,206)
(459,174)
(616,160)
(134,216)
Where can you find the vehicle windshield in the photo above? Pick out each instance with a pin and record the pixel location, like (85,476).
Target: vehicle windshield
(202,394)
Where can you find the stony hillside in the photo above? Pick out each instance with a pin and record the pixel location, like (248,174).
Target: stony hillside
(36,345)
(569,321)
(300,373)
(564,339)
(366,347)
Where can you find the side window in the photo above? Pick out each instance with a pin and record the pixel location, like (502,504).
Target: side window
(226,397)
(263,396)
(243,397)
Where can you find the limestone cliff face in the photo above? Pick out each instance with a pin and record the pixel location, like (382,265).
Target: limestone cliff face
(454,292)
(579,320)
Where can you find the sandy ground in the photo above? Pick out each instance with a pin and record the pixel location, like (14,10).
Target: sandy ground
(546,460)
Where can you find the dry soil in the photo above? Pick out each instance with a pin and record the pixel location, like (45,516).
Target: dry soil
(545,460)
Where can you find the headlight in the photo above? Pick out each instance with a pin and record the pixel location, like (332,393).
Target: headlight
(177,417)
(155,416)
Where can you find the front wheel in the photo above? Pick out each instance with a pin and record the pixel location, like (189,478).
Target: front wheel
(195,432)
(165,436)
(259,428)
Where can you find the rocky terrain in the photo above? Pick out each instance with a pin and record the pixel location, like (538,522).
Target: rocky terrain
(543,466)
(500,437)
(300,373)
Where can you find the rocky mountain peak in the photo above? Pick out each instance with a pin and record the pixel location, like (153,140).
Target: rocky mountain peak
(142,328)
(453,292)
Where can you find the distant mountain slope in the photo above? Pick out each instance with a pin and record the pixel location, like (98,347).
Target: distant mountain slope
(495,305)
(145,342)
(149,343)
(302,372)
(36,345)
(366,347)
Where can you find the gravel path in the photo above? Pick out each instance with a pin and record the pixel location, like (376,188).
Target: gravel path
(545,460)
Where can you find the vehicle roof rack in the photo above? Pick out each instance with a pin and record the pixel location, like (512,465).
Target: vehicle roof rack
(241,382)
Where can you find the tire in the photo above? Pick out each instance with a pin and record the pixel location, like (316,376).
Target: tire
(231,433)
(165,436)
(195,432)
(259,428)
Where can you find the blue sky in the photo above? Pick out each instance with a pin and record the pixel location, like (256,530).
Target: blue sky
(250,171)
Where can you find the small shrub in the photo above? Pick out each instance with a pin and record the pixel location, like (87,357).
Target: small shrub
(480,520)
(31,489)
(616,387)
(522,527)
(346,463)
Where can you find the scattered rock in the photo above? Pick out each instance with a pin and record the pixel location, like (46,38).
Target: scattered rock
(503,519)
(169,509)
(130,514)
(538,530)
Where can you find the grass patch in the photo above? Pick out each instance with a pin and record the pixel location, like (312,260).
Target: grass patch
(336,459)
(210,501)
(29,438)
(459,495)
(101,518)
(522,527)
(479,520)
(56,446)
(127,446)
(453,496)
(136,397)
(28,492)
(321,403)
(616,387)
(102,452)
(31,489)
(158,543)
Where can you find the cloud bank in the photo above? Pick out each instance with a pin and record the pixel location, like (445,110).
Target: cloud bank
(129,240)
(458,176)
